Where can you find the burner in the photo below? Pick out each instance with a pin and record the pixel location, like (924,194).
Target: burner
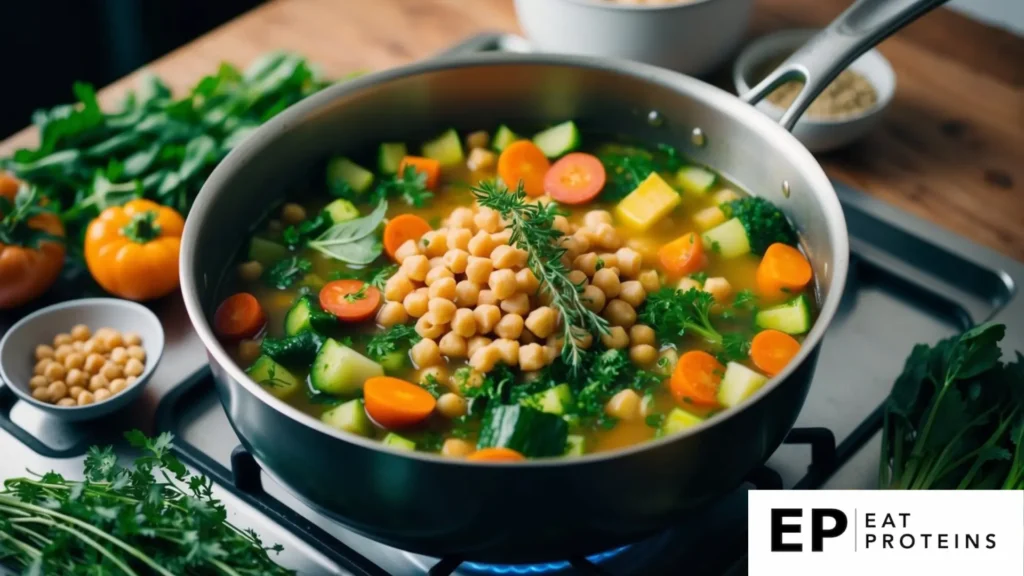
(547,568)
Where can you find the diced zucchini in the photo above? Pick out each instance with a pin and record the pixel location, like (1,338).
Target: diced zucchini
(399,442)
(728,239)
(679,420)
(651,201)
(390,156)
(558,140)
(306,314)
(446,148)
(275,378)
(553,400)
(793,317)
(738,383)
(725,196)
(575,445)
(342,173)
(503,137)
(340,370)
(394,362)
(530,432)
(696,180)
(709,217)
(266,252)
(341,210)
(350,417)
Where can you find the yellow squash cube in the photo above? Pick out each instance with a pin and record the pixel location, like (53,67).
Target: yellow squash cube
(651,201)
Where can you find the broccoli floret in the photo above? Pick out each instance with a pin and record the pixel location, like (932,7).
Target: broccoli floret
(764,222)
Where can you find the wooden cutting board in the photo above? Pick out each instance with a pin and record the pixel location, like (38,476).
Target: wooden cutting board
(951,148)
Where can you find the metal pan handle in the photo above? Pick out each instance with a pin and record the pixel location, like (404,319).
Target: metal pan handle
(854,32)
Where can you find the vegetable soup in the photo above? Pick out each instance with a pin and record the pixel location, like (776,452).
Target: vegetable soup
(497,297)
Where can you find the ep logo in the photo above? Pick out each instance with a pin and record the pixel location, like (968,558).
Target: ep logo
(824,523)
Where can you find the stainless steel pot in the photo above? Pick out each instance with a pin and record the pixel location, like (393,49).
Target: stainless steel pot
(547,509)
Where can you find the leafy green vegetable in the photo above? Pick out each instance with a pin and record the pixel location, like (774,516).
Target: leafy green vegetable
(398,337)
(293,350)
(608,373)
(955,417)
(354,241)
(410,186)
(628,166)
(15,216)
(284,273)
(297,235)
(674,313)
(375,277)
(764,222)
(151,518)
(431,385)
(494,389)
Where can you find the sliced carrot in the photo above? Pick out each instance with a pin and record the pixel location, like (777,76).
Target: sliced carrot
(497,454)
(782,271)
(401,229)
(395,403)
(684,255)
(350,300)
(771,351)
(695,379)
(8,185)
(575,179)
(428,166)
(239,316)
(523,162)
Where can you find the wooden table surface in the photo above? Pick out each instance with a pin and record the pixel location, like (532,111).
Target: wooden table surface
(951,148)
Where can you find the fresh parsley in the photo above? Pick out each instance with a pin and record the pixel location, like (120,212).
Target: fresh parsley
(431,385)
(674,313)
(297,235)
(373,276)
(410,186)
(398,337)
(284,273)
(357,295)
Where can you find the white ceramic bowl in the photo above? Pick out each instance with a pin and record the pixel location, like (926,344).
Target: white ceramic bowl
(693,37)
(17,348)
(817,135)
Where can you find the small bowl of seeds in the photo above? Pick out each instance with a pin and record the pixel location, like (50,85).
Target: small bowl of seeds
(848,108)
(82,359)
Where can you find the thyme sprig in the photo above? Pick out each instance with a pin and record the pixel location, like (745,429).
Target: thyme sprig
(533,230)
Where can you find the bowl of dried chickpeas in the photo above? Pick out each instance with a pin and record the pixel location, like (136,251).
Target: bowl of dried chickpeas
(82,359)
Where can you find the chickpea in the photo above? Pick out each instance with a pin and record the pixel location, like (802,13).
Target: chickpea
(586,263)
(66,402)
(584,240)
(119,355)
(85,398)
(577,277)
(527,282)
(76,377)
(436,262)
(131,380)
(110,371)
(485,357)
(594,217)
(593,298)
(44,352)
(649,280)
(428,327)
(510,326)
(606,237)
(415,304)
(625,406)
(561,224)
(475,343)
(478,269)
(458,239)
(687,284)
(57,390)
(667,361)
(531,357)
(60,353)
(456,260)
(137,352)
(392,313)
(133,368)
(77,346)
(503,237)
(629,262)
(607,260)
(633,293)
(425,353)
(435,242)
(132,339)
(415,267)
(641,334)
(41,366)
(443,288)
(583,340)
(508,349)
(117,386)
(74,360)
(292,213)
(453,346)
(516,304)
(460,218)
(438,273)
(74,391)
(616,338)
(61,339)
(718,287)
(37,381)
(408,248)
(438,374)
(487,297)
(98,381)
(54,371)
(456,448)
(42,394)
(466,293)
(101,395)
(608,281)
(709,217)
(487,220)
(94,346)
(464,323)
(620,313)
(542,321)
(502,283)
(451,405)
(250,271)
(481,244)
(544,296)
(487,317)
(94,362)
(442,310)
(504,256)
(643,354)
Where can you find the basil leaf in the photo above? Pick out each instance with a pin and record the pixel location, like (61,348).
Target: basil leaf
(353,230)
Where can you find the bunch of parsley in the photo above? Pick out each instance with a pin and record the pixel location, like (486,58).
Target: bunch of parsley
(955,417)
(151,518)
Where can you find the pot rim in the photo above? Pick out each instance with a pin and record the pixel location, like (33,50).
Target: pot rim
(783,142)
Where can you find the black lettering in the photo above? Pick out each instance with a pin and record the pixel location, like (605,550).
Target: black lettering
(904,539)
(868,540)
(904,515)
(991,539)
(925,537)
(779,528)
(869,520)
(943,541)
(973,540)
(886,540)
(888,522)
(956,541)
(818,531)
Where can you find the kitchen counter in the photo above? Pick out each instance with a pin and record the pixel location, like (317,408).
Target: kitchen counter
(950,150)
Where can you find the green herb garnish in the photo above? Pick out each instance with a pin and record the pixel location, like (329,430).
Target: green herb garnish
(399,336)
(674,313)
(284,273)
(410,186)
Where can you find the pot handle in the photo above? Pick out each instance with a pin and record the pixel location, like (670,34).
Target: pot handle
(823,57)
